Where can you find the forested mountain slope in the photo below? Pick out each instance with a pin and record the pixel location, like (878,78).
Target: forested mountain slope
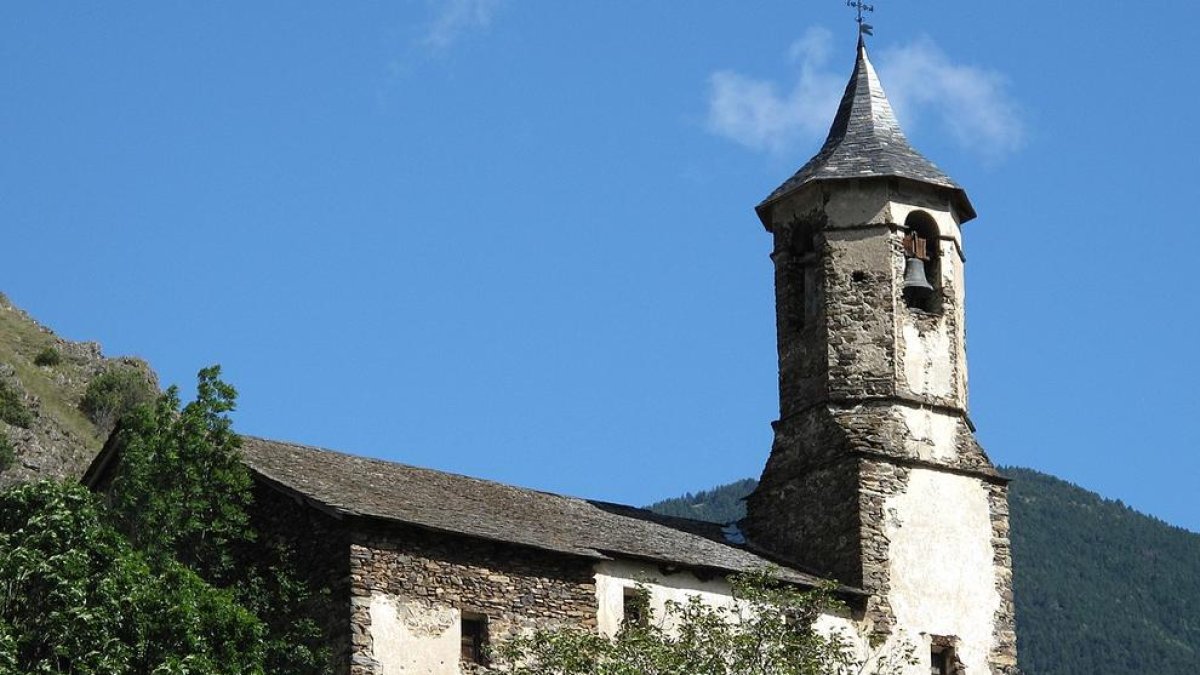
(1100,588)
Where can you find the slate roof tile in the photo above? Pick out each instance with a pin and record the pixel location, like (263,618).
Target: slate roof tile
(866,141)
(446,502)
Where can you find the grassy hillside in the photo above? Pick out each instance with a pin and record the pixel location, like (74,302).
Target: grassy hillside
(1100,589)
(44,431)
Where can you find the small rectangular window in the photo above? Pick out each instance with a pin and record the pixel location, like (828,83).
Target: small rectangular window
(634,607)
(942,661)
(474,638)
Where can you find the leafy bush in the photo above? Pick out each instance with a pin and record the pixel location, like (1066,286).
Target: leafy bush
(75,597)
(48,357)
(113,394)
(8,648)
(768,629)
(7,455)
(12,408)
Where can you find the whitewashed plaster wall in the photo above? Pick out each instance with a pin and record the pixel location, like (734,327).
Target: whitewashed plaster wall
(929,367)
(931,435)
(943,577)
(614,577)
(415,638)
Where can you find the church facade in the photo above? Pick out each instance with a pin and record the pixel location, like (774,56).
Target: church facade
(875,480)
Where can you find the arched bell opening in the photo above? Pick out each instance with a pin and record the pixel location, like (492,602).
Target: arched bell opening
(922,263)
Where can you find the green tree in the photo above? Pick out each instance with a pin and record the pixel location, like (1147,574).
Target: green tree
(181,493)
(768,629)
(76,598)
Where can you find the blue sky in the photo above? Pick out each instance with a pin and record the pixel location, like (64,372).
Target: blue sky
(515,238)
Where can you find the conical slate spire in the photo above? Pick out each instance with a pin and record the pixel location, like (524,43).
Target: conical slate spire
(866,141)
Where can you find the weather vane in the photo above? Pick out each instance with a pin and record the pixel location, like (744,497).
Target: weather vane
(864,28)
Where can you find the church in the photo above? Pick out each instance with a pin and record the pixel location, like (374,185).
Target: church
(875,480)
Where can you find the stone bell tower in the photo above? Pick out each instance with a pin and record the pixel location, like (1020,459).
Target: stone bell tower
(875,477)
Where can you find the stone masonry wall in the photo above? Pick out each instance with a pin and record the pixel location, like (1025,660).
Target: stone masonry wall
(1003,658)
(859,309)
(516,588)
(812,505)
(880,481)
(800,314)
(806,506)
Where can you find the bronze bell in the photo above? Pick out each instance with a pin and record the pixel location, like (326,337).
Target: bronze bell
(914,277)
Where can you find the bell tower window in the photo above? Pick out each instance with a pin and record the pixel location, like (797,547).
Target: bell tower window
(922,263)
(796,258)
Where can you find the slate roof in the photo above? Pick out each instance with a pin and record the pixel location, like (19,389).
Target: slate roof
(359,486)
(866,141)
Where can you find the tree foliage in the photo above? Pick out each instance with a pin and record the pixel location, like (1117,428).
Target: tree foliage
(113,394)
(181,493)
(163,578)
(1099,587)
(75,597)
(768,629)
(722,504)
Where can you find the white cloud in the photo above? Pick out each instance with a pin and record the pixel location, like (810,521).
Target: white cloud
(753,113)
(970,104)
(456,17)
(449,22)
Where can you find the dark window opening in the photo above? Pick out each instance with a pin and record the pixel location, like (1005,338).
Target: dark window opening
(942,657)
(939,662)
(474,638)
(636,607)
(922,263)
(798,262)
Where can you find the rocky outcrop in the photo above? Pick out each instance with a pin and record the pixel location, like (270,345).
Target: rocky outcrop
(47,377)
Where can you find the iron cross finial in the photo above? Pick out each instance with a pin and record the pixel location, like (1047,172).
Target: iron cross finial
(864,28)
